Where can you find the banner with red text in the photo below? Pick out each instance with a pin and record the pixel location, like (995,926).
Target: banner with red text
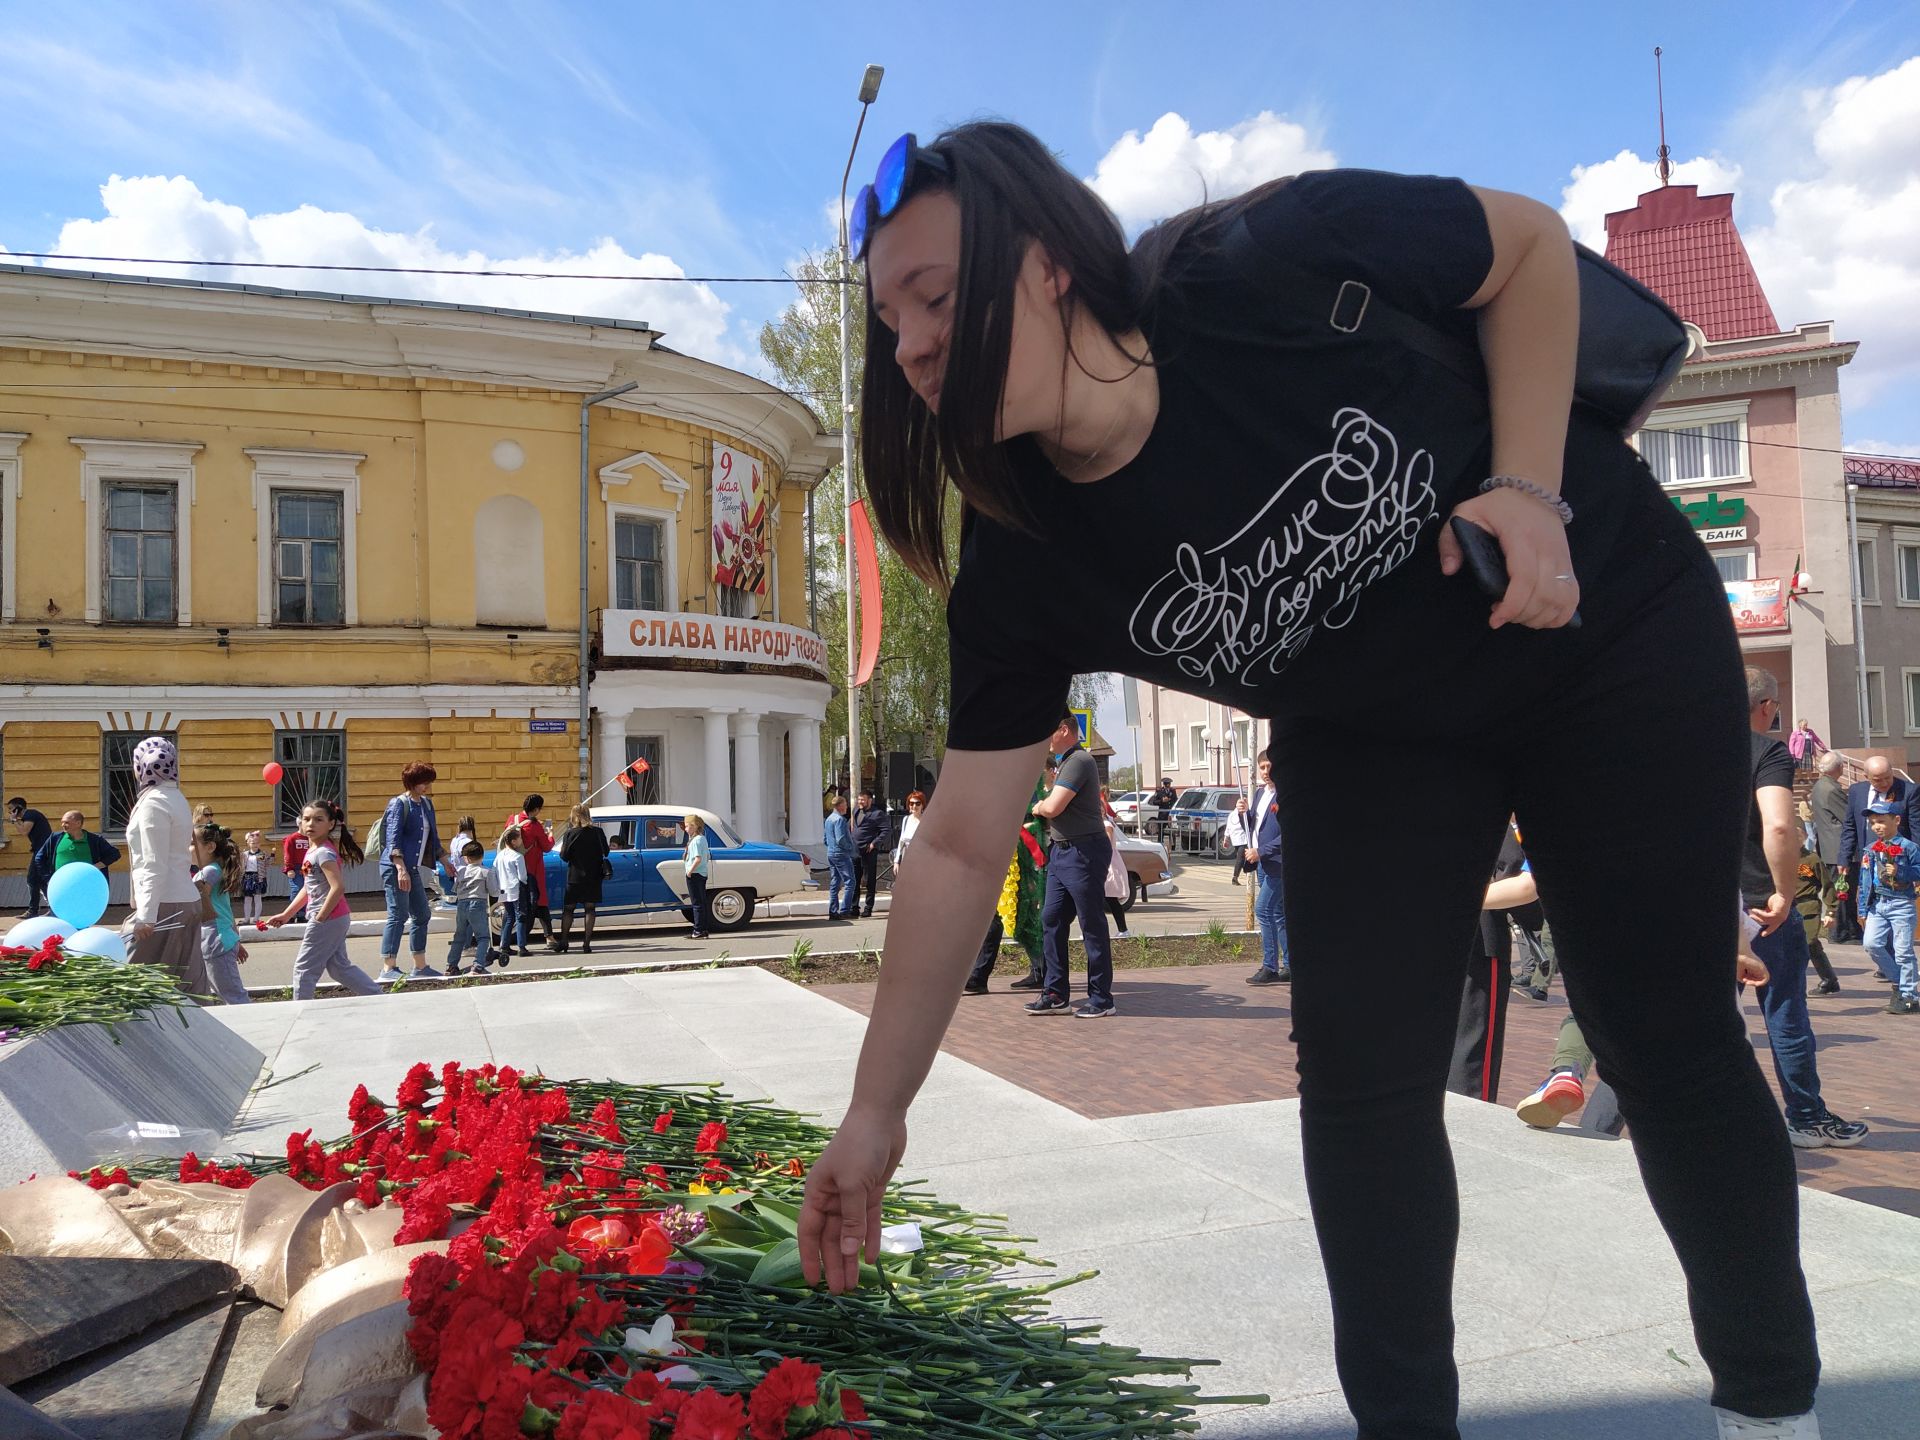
(665,635)
(1758,606)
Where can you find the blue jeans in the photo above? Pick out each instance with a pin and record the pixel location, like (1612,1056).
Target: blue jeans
(1783,1001)
(515,921)
(1076,885)
(404,905)
(470,928)
(1270,911)
(840,887)
(1889,940)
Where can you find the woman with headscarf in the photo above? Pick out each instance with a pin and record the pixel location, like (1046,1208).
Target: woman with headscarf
(164,924)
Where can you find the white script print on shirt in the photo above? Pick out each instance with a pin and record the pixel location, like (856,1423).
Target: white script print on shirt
(1243,609)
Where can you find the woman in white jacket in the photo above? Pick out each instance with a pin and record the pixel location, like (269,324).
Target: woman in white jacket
(164,923)
(916,806)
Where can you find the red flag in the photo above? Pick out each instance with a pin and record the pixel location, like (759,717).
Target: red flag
(626,780)
(867,563)
(640,766)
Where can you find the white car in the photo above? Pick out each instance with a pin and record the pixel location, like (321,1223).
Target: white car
(1126,809)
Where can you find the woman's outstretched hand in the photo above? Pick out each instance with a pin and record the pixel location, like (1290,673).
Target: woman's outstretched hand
(840,1216)
(1540,591)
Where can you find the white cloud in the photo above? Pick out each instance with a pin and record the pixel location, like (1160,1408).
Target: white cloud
(1835,234)
(1171,168)
(153,216)
(1599,189)
(1896,449)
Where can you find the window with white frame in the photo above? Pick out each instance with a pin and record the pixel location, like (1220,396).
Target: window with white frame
(639,562)
(1906,567)
(1242,742)
(1876,701)
(1697,444)
(1866,572)
(307,503)
(1196,746)
(1910,682)
(118,789)
(1169,748)
(1735,563)
(313,766)
(141,578)
(309,576)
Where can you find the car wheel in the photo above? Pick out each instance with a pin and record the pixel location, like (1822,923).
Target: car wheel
(1136,893)
(1223,847)
(731,909)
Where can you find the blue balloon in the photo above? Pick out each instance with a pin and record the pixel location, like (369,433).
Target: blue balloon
(78,895)
(31,932)
(101,940)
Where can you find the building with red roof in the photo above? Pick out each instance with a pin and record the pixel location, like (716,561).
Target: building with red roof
(1748,443)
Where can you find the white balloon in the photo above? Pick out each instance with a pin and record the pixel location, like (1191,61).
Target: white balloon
(31,933)
(101,940)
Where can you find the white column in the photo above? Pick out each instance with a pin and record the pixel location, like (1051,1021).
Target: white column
(716,721)
(609,755)
(750,777)
(804,817)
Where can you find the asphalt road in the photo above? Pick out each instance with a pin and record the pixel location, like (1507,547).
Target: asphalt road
(1204,895)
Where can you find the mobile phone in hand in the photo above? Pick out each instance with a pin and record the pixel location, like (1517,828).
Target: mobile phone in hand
(1485,562)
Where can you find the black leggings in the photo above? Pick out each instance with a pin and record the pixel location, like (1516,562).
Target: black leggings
(1648,969)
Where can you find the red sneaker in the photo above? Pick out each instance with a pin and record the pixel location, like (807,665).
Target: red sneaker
(1554,1101)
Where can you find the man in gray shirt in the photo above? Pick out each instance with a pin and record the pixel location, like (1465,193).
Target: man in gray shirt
(1076,878)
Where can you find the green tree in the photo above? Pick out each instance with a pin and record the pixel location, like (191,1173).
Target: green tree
(908,693)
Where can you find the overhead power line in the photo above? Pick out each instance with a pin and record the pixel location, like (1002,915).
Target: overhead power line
(432,270)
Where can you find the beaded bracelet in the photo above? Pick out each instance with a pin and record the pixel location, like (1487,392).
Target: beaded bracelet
(1527,487)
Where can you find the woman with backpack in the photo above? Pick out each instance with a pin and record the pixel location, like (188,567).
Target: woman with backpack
(1264,389)
(408,844)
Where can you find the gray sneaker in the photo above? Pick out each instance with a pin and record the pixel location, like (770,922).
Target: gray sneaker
(1093,1010)
(1829,1130)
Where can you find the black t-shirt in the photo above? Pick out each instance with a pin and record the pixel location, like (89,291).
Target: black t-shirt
(1772,765)
(39,831)
(1293,484)
(1082,819)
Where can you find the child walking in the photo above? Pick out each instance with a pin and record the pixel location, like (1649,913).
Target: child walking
(473,884)
(253,878)
(510,869)
(219,878)
(323,948)
(1887,875)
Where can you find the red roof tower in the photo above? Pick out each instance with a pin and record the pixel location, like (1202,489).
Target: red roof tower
(1684,246)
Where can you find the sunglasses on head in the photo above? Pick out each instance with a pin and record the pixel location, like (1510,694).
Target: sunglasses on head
(893,181)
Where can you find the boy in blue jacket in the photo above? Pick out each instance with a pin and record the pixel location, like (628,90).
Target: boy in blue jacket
(1887,874)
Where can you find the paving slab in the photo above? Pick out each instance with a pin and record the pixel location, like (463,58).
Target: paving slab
(1196,1218)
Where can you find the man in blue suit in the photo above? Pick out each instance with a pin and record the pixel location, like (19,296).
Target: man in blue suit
(1263,855)
(1881,784)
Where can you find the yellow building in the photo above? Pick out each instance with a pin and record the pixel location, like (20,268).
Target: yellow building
(340,534)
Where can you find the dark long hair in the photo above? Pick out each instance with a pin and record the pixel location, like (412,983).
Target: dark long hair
(344,844)
(218,842)
(1011,191)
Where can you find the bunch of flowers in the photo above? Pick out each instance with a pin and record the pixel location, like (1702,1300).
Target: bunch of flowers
(624,1265)
(47,985)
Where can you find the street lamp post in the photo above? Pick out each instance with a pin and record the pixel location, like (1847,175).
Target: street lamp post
(586,753)
(869,92)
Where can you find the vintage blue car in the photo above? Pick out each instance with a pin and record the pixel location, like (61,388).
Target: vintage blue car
(647,843)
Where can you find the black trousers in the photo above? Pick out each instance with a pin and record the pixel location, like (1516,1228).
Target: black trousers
(1545,730)
(989,955)
(1480,1031)
(866,873)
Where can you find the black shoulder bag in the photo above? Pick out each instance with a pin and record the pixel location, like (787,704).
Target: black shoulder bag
(1632,345)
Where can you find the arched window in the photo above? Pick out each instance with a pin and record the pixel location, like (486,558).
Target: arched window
(509,564)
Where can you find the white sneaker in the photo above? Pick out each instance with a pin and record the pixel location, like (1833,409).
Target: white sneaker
(392,976)
(1745,1427)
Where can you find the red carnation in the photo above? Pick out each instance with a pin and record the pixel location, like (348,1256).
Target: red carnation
(791,1385)
(413,1091)
(713,1135)
(663,1122)
(852,1407)
(604,1415)
(606,1123)
(709,1415)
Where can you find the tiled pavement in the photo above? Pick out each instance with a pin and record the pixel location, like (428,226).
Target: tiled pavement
(1199,1036)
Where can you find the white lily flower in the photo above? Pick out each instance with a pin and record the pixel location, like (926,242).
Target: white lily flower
(678,1375)
(657,1341)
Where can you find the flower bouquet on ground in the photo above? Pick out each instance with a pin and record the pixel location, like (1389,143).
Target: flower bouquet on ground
(45,985)
(622,1264)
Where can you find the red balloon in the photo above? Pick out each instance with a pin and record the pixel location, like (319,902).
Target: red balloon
(271,772)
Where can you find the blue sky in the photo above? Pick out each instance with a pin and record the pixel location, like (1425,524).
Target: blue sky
(708,139)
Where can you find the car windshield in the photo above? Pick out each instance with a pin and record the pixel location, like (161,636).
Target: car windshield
(1191,800)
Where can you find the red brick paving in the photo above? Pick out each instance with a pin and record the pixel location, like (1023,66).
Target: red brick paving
(1230,1045)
